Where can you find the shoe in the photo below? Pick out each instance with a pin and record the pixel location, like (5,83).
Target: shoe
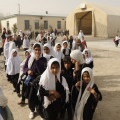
(19,95)
(31,115)
(14,91)
(22,103)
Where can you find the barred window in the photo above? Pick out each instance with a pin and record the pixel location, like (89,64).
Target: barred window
(37,24)
(27,24)
(45,24)
(7,24)
(59,24)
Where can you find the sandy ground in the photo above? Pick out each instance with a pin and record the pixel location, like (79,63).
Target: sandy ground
(106,75)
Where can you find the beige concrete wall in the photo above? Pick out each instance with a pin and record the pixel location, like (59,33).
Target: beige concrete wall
(52,21)
(12,21)
(113,25)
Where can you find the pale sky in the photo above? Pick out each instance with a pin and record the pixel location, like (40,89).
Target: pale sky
(54,7)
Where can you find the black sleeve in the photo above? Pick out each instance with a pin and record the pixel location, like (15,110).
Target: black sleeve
(43,92)
(90,65)
(99,95)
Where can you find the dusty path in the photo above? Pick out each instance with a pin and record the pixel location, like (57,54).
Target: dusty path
(107,77)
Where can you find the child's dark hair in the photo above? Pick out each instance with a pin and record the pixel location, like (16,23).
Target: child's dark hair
(56,63)
(37,45)
(26,52)
(67,59)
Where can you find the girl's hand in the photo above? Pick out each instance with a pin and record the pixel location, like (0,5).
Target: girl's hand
(92,91)
(54,94)
(30,72)
(77,64)
(77,85)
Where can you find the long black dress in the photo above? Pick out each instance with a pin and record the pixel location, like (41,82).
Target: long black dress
(91,103)
(53,111)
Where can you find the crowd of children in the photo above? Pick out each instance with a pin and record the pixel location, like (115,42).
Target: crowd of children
(57,80)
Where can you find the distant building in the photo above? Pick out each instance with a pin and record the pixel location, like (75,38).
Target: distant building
(95,20)
(34,22)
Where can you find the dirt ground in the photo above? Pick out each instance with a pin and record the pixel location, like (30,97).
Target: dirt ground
(106,75)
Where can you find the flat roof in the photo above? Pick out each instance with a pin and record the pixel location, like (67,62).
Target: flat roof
(15,15)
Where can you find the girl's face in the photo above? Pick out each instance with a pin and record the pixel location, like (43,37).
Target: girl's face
(58,47)
(27,54)
(86,54)
(78,42)
(55,69)
(46,50)
(86,77)
(37,51)
(65,45)
(14,54)
(67,65)
(31,46)
(73,60)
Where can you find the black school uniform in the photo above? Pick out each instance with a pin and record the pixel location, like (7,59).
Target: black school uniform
(68,74)
(91,103)
(90,65)
(52,112)
(65,53)
(75,92)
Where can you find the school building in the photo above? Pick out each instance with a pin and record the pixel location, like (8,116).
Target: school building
(33,22)
(93,19)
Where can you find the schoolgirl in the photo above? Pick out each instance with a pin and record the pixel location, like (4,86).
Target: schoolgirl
(88,98)
(88,58)
(34,66)
(54,89)
(13,67)
(65,50)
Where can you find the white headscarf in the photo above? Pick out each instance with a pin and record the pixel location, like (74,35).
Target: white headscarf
(58,54)
(13,64)
(51,53)
(89,58)
(22,65)
(49,41)
(26,42)
(79,109)
(80,34)
(32,57)
(67,49)
(47,80)
(77,55)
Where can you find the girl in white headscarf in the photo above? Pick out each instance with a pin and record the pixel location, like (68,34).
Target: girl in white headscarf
(79,62)
(27,54)
(65,50)
(58,53)
(34,66)
(88,58)
(49,40)
(26,43)
(13,67)
(55,89)
(48,52)
(89,95)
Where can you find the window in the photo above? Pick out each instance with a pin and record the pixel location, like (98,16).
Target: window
(59,24)
(7,24)
(45,24)
(27,24)
(36,24)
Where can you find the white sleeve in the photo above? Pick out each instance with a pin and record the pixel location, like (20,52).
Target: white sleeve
(64,83)
(3,99)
